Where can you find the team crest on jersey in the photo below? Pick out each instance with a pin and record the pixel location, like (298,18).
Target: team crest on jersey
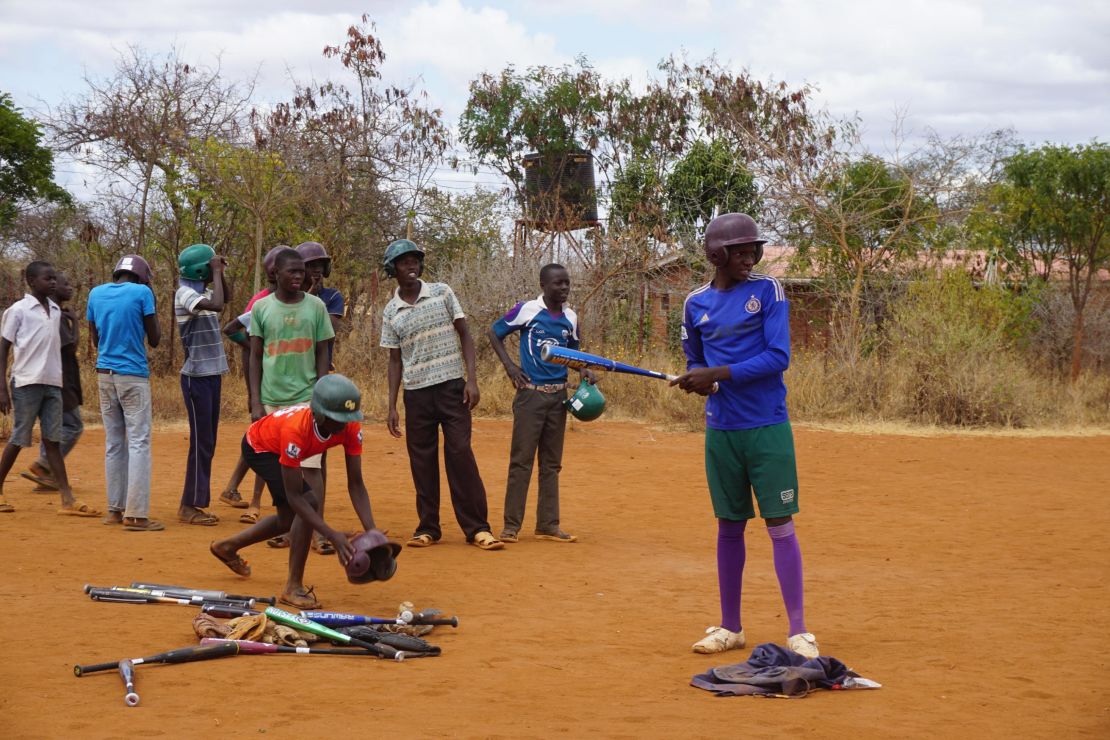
(787,496)
(292,451)
(753,305)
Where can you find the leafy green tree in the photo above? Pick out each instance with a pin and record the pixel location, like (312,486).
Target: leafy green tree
(711,178)
(26,166)
(1057,201)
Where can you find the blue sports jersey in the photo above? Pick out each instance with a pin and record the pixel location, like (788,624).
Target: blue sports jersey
(117,311)
(537,327)
(333,302)
(746,327)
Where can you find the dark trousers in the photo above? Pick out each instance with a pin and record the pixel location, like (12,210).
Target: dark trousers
(426,410)
(539,424)
(202,402)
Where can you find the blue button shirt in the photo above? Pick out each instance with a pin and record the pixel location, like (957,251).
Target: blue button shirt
(538,327)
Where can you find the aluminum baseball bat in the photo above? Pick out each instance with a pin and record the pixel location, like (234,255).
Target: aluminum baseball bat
(227,612)
(340,619)
(249,647)
(203,592)
(127,673)
(298,622)
(180,655)
(579,360)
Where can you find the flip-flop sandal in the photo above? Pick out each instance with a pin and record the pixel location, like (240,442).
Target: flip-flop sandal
(6,508)
(323,546)
(237,565)
(250,517)
(200,518)
(279,543)
(486,541)
(421,540)
(43,489)
(146,525)
(305,599)
(79,509)
(44,482)
(112,517)
(233,499)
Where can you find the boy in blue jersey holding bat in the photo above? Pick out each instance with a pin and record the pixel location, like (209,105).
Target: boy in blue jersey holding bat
(736,332)
(539,411)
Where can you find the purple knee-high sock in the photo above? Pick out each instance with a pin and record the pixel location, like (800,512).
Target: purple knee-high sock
(788,567)
(730,570)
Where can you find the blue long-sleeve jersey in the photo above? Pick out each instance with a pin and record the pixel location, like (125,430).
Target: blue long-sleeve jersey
(746,327)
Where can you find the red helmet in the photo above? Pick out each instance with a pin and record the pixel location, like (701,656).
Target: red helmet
(135,265)
(730,229)
(312,251)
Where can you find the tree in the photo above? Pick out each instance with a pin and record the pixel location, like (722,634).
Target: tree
(26,166)
(711,178)
(1059,200)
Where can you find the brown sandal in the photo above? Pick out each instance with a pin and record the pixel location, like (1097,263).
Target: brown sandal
(237,565)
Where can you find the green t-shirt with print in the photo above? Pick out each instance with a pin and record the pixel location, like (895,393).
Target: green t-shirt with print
(289,332)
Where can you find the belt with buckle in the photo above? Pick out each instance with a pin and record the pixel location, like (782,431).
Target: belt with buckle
(547,388)
(106,371)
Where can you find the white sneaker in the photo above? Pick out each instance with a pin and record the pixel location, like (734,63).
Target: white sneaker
(718,640)
(804,643)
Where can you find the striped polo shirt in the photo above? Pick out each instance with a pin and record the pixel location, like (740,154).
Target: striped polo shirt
(200,332)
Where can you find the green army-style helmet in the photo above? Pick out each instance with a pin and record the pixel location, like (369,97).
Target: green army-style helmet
(193,262)
(337,398)
(395,250)
(587,403)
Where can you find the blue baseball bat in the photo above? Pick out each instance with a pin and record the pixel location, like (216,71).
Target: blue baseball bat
(580,360)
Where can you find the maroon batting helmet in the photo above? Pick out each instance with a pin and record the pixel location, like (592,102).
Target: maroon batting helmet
(271,257)
(731,229)
(312,251)
(375,558)
(135,265)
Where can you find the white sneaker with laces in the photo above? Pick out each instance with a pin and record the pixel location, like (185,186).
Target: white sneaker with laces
(718,640)
(804,643)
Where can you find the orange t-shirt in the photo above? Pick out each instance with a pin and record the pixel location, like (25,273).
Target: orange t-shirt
(291,434)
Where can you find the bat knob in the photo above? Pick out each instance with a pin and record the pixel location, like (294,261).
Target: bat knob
(406,616)
(88,587)
(131,700)
(454,621)
(399,657)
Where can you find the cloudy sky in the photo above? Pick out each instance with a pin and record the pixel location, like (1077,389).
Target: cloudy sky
(957,67)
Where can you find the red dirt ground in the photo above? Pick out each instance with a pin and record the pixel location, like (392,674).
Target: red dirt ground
(966,574)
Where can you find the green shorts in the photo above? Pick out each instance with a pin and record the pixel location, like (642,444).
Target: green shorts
(736,462)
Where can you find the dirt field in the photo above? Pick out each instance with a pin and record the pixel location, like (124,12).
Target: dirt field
(966,574)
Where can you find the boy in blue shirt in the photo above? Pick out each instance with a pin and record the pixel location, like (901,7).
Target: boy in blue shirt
(121,315)
(539,411)
(736,332)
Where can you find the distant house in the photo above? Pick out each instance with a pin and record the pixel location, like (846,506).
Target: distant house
(671,278)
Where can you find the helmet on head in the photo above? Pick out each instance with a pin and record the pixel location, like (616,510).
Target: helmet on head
(375,558)
(193,262)
(312,251)
(396,250)
(731,229)
(135,265)
(587,403)
(271,257)
(337,398)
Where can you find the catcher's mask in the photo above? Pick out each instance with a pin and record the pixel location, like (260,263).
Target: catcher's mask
(731,229)
(587,403)
(375,558)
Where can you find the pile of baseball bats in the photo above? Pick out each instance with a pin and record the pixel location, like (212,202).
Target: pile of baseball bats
(153,593)
(222,604)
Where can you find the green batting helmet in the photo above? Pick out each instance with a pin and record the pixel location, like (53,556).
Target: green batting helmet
(336,397)
(193,262)
(395,250)
(587,403)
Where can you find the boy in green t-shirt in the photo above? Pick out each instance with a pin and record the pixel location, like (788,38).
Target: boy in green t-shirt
(289,336)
